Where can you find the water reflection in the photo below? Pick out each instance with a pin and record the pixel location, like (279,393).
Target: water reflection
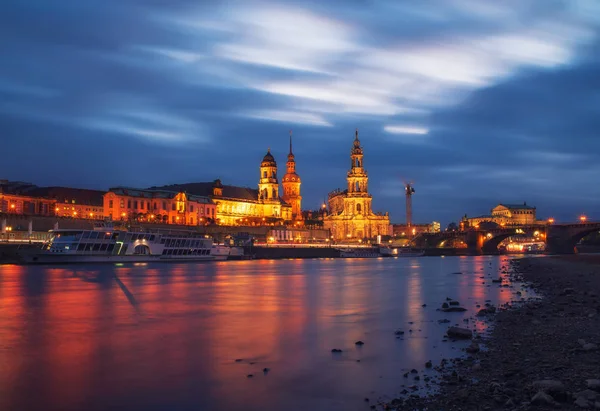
(153,337)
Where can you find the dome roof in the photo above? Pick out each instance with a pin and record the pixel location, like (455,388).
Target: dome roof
(268,159)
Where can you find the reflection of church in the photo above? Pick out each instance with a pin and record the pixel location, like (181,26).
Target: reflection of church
(350,213)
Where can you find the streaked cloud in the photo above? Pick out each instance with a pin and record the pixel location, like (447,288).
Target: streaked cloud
(292,117)
(406,130)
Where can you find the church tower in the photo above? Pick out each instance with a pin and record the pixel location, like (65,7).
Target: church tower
(357,176)
(291,185)
(268,186)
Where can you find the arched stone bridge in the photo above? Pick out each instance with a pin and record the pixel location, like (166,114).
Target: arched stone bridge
(560,238)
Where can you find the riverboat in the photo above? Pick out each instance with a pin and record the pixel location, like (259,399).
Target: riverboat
(359,253)
(107,244)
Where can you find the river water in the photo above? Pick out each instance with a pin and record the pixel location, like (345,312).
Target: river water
(167,336)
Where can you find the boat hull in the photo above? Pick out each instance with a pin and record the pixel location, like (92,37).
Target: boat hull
(108,259)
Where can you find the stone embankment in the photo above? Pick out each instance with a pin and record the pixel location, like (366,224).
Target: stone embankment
(541,355)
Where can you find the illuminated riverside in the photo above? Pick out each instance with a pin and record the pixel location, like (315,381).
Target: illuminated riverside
(78,341)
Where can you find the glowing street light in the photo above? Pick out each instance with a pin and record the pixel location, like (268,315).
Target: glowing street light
(582,218)
(551,220)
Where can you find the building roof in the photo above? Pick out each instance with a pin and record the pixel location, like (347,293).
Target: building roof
(153,193)
(206,189)
(69,195)
(15,187)
(523,206)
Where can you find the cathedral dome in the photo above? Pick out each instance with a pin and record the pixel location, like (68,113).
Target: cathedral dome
(268,160)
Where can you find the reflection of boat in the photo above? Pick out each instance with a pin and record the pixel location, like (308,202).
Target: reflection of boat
(359,253)
(106,244)
(400,252)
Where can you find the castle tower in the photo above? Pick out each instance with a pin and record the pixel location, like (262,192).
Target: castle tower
(268,186)
(357,176)
(291,185)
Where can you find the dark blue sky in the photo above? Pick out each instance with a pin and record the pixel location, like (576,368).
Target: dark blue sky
(478,102)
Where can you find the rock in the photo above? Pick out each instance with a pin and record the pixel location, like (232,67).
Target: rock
(453,309)
(454,303)
(238,360)
(567,291)
(266,370)
(462,333)
(589,395)
(541,398)
(414,371)
(359,343)
(445,305)
(428,364)
(498,280)
(462,394)
(443,321)
(582,402)
(593,384)
(399,332)
(550,386)
(417,378)
(249,376)
(424,305)
(589,347)
(336,350)
(473,348)
(366,400)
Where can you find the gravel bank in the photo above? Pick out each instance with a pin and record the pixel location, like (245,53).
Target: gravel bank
(541,356)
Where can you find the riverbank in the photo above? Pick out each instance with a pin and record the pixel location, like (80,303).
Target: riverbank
(542,355)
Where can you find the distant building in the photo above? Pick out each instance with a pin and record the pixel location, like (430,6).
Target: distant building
(247,206)
(15,199)
(160,206)
(402,230)
(73,202)
(505,215)
(350,213)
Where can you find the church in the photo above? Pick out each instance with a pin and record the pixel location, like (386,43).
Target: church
(247,206)
(350,215)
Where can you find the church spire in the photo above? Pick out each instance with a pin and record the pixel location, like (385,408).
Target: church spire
(356,135)
(290,141)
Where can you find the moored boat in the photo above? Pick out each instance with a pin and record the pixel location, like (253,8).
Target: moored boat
(400,252)
(107,244)
(359,253)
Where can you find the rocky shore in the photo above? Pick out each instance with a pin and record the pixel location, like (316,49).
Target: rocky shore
(540,355)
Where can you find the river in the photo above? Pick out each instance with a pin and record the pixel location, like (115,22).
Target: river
(167,336)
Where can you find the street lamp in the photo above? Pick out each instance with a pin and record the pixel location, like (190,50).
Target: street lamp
(551,220)
(582,218)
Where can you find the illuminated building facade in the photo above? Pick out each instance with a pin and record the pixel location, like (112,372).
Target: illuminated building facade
(350,213)
(73,202)
(505,215)
(291,186)
(242,205)
(158,206)
(15,198)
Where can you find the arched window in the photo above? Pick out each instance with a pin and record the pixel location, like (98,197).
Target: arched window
(264,174)
(274,193)
(358,209)
(357,188)
(274,174)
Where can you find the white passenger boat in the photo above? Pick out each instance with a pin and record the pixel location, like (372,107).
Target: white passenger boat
(106,244)
(227,252)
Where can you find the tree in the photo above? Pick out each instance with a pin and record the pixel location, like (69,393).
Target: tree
(452,227)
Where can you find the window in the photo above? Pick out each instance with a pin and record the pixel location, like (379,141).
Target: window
(202,210)
(164,207)
(128,203)
(122,203)
(142,205)
(357,186)
(191,208)
(191,220)
(110,204)
(358,210)
(173,207)
(155,206)
(147,205)
(173,219)
(264,174)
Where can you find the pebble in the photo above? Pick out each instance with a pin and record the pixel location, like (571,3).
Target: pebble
(541,398)
(336,350)
(458,332)
(593,384)
(359,343)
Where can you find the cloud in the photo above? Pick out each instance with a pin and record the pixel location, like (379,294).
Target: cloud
(292,117)
(405,130)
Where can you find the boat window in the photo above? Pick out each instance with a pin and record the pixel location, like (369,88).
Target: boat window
(81,247)
(94,235)
(110,248)
(96,247)
(162,241)
(115,236)
(103,247)
(85,234)
(127,238)
(152,237)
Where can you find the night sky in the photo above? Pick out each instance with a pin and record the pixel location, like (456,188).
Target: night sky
(477,102)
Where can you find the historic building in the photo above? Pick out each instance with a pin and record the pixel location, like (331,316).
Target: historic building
(505,215)
(350,215)
(291,186)
(158,206)
(242,205)
(74,202)
(16,199)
